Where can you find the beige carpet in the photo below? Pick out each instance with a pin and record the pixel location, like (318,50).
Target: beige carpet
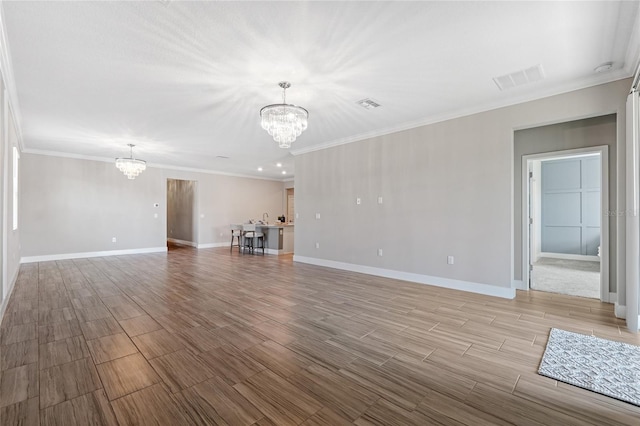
(572,277)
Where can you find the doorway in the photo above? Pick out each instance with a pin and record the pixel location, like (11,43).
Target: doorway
(565,200)
(290,205)
(181,209)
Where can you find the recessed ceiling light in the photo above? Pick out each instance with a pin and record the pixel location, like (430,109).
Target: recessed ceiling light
(279,165)
(284,172)
(259,169)
(604,67)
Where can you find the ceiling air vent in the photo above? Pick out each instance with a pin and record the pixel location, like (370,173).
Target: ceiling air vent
(222,157)
(519,78)
(368,103)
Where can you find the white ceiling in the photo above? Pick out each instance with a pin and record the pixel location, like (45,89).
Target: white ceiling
(185,80)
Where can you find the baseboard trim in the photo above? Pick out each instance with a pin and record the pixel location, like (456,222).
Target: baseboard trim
(570,257)
(613,298)
(212,245)
(472,287)
(5,302)
(620,311)
(518,285)
(182,242)
(66,256)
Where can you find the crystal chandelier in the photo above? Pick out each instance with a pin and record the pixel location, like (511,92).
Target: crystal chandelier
(283,121)
(130,166)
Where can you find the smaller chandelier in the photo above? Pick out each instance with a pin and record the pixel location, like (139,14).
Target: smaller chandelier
(130,166)
(285,122)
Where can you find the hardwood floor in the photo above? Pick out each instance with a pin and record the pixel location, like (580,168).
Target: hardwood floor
(202,337)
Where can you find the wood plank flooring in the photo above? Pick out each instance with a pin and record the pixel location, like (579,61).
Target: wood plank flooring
(205,337)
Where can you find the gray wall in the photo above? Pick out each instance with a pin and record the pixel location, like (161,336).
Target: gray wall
(447,188)
(76,206)
(572,135)
(181,210)
(571,206)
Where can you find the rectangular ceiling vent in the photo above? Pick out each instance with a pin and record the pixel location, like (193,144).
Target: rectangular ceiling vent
(368,103)
(518,78)
(223,157)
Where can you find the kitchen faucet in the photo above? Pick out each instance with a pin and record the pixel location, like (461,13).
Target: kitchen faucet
(263,215)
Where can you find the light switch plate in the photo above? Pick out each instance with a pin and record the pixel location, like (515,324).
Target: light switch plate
(379,200)
(317,215)
(358,201)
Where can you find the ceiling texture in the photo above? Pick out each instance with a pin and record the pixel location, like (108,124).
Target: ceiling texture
(185,81)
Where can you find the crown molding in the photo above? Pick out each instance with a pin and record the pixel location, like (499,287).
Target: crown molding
(152,165)
(597,80)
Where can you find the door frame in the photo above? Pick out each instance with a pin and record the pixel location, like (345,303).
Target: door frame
(603,150)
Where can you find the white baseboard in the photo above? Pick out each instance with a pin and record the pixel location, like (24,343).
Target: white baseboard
(518,285)
(488,290)
(613,298)
(182,242)
(620,311)
(571,256)
(212,245)
(5,302)
(65,256)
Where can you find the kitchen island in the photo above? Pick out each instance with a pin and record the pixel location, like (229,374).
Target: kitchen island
(278,237)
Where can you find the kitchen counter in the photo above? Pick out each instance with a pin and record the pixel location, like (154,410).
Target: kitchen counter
(279,237)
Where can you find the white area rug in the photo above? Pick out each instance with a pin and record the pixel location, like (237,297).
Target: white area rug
(599,365)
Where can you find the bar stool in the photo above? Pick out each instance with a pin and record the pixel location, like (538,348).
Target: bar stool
(236,232)
(251,239)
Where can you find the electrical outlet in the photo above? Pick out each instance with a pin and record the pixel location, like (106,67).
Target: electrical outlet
(113,240)
(297,215)
(317,215)
(155,215)
(449,260)
(317,245)
(379,200)
(379,252)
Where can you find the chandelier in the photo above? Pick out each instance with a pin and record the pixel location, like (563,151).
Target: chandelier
(130,166)
(283,121)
